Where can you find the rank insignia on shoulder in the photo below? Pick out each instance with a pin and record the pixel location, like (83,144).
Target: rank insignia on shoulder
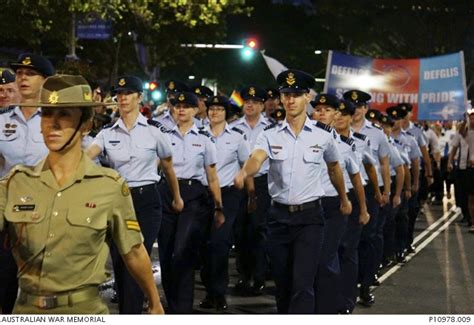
(347,140)
(132,225)
(376,126)
(323,126)
(359,135)
(268,127)
(353,147)
(125,189)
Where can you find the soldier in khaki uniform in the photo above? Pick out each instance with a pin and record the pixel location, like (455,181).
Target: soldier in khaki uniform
(60,213)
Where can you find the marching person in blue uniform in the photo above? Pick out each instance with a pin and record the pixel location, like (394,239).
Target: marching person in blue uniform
(194,158)
(251,227)
(328,277)
(380,149)
(8,90)
(348,248)
(272,103)
(21,142)
(133,146)
(165,113)
(233,150)
(203,93)
(295,149)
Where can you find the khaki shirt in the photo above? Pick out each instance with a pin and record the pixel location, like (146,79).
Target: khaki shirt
(59,235)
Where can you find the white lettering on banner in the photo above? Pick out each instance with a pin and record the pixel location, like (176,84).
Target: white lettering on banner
(394,98)
(378,98)
(438,97)
(441,73)
(344,71)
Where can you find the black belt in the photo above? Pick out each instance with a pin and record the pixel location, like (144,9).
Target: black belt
(188,182)
(297,207)
(141,189)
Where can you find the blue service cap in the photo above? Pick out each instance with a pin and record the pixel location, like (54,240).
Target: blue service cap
(6,77)
(326,99)
(218,101)
(175,86)
(34,61)
(346,107)
(272,93)
(396,113)
(253,92)
(202,91)
(185,97)
(358,97)
(373,114)
(295,81)
(386,119)
(128,83)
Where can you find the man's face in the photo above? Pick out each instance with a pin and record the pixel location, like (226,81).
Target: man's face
(325,113)
(387,128)
(9,94)
(294,103)
(202,106)
(58,125)
(271,104)
(29,83)
(360,112)
(252,108)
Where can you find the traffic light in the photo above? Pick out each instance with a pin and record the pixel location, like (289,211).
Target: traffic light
(250,45)
(152,85)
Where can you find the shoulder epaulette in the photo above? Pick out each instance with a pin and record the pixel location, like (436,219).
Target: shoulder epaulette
(376,126)
(236,129)
(203,131)
(409,133)
(271,126)
(397,141)
(323,126)
(347,140)
(359,135)
(111,173)
(107,126)
(7,109)
(159,125)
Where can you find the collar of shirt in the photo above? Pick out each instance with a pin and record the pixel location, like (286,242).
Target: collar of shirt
(17,111)
(194,129)
(141,120)
(307,126)
(261,120)
(86,168)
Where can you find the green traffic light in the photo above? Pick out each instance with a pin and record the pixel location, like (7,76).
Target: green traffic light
(247,54)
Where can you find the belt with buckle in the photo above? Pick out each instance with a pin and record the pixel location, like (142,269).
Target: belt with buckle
(297,207)
(188,182)
(59,299)
(141,189)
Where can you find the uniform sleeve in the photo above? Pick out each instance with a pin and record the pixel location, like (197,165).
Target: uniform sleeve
(395,158)
(243,151)
(352,166)
(99,140)
(262,143)
(331,153)
(420,139)
(367,156)
(415,151)
(124,225)
(210,155)
(163,145)
(384,146)
(455,141)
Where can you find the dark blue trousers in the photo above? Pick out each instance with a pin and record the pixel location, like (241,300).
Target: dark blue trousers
(8,277)
(367,252)
(251,236)
(401,227)
(147,204)
(349,258)
(179,241)
(294,250)
(329,271)
(388,243)
(413,212)
(215,270)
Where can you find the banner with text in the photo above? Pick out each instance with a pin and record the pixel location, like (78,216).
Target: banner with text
(435,86)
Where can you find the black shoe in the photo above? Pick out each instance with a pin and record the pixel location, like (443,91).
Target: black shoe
(242,286)
(411,249)
(258,288)
(365,297)
(114,298)
(401,258)
(376,280)
(221,303)
(344,312)
(388,262)
(208,302)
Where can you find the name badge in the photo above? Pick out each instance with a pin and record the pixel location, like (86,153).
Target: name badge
(24,207)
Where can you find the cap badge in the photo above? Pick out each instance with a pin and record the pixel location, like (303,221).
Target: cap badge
(372,114)
(354,95)
(270,93)
(342,106)
(278,114)
(252,91)
(3,80)
(171,86)
(87,94)
(290,79)
(197,91)
(53,97)
(121,82)
(216,100)
(322,99)
(181,98)
(26,61)
(394,113)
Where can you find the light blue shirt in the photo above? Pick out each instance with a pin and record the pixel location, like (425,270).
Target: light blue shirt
(364,153)
(402,149)
(233,150)
(395,158)
(192,152)
(252,135)
(378,145)
(134,154)
(21,141)
(417,133)
(349,165)
(296,162)
(166,119)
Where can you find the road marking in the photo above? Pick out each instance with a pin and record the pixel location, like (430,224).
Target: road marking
(418,249)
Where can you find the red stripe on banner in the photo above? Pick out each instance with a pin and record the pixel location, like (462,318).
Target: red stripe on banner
(398,82)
